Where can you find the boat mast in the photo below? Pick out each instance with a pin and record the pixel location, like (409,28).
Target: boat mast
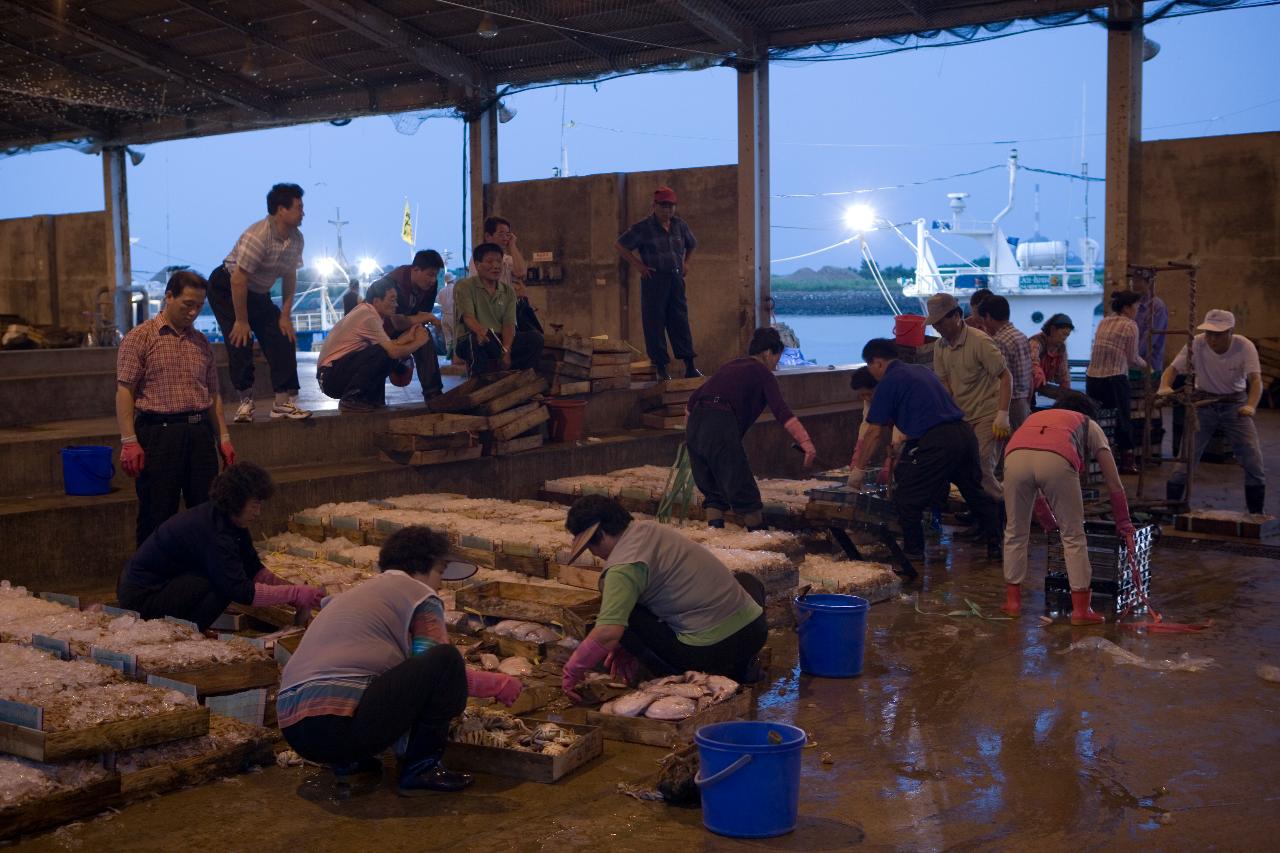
(995,223)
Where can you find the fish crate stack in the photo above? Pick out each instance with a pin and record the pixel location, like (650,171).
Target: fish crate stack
(1113,579)
(873,581)
(665,404)
(922,354)
(610,365)
(566,364)
(431,439)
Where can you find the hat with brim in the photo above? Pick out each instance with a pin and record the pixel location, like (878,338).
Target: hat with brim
(940,305)
(1217,320)
(581,541)
(457,568)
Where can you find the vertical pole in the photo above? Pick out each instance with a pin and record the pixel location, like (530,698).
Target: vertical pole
(115,197)
(1124,139)
(482,137)
(753,198)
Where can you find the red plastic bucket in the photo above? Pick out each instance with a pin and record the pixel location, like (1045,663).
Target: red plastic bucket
(566,417)
(908,330)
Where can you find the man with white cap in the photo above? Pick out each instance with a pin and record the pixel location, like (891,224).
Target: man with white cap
(1228,383)
(974,372)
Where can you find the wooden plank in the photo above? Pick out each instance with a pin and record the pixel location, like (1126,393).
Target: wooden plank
(611,345)
(515,397)
(534,566)
(58,809)
(503,418)
(105,737)
(437,424)
(479,390)
(668,733)
(620,383)
(520,444)
(677,385)
(432,457)
(219,678)
(565,368)
(569,344)
(530,766)
(570,389)
(572,610)
(602,359)
(658,421)
(583,577)
(279,616)
(524,423)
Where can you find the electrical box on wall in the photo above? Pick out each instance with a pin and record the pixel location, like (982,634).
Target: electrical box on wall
(544,269)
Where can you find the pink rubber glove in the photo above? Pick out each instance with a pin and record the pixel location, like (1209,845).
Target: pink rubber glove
(228,452)
(270,595)
(1120,512)
(622,665)
(265,577)
(586,657)
(132,458)
(1044,514)
(305,597)
(497,685)
(801,437)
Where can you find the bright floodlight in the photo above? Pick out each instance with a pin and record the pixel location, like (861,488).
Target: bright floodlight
(325,266)
(368,266)
(860,217)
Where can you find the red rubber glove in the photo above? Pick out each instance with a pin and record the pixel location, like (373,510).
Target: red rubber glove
(1044,514)
(498,685)
(132,459)
(586,657)
(228,452)
(622,665)
(1120,512)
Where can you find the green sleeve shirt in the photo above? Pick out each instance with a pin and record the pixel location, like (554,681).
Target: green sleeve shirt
(623,586)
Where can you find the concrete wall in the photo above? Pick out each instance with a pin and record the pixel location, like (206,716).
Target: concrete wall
(580,219)
(51,266)
(1218,199)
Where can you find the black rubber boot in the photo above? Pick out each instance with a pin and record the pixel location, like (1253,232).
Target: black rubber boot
(1255,498)
(430,775)
(690,371)
(1174,491)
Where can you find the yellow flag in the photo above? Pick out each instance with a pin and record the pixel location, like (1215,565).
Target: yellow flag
(406,230)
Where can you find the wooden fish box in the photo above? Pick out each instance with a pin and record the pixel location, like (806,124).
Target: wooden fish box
(566,369)
(394,443)
(572,610)
(530,416)
(277,616)
(1242,525)
(534,565)
(570,389)
(617,383)
(610,371)
(670,385)
(533,698)
(522,393)
(494,447)
(59,808)
(437,425)
(480,390)
(216,679)
(530,766)
(569,344)
(661,421)
(431,457)
(583,577)
(663,399)
(509,646)
(44,746)
(198,769)
(668,733)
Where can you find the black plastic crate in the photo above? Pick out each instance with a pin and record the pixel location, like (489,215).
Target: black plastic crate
(1108,557)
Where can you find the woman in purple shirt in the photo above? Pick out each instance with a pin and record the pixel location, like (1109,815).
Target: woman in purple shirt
(720,413)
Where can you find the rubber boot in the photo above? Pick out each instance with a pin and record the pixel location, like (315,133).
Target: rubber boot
(1081,613)
(430,775)
(715,518)
(1255,498)
(690,370)
(1174,491)
(1012,599)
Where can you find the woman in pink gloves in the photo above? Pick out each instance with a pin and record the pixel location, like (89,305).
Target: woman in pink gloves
(201,560)
(666,601)
(1042,465)
(377,663)
(720,413)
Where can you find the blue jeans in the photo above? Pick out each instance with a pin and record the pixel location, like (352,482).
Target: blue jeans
(1239,431)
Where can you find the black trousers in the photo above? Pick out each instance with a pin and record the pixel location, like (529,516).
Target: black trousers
(1113,392)
(360,375)
(419,696)
(654,643)
(264,321)
(525,349)
(181,460)
(189,597)
(426,362)
(665,314)
(719,462)
(946,454)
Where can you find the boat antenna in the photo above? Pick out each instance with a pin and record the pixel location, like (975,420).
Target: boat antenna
(1084,164)
(337,222)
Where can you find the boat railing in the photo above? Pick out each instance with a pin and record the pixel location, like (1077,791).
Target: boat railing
(1070,278)
(309,322)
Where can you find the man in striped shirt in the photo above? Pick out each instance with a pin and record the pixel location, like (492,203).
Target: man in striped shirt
(240,295)
(1016,349)
(168,409)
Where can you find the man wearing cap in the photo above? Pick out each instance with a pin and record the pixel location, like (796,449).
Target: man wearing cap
(666,601)
(415,287)
(358,355)
(940,447)
(1228,386)
(974,372)
(659,248)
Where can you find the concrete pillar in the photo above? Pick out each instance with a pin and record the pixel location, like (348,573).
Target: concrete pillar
(753,198)
(482,162)
(115,196)
(1124,140)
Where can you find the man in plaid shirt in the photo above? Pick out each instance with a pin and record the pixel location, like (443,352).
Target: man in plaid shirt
(240,295)
(168,409)
(1016,349)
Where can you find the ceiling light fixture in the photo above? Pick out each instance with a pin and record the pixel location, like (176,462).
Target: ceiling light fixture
(487,29)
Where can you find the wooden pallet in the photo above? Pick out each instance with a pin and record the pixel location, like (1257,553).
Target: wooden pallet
(114,736)
(572,610)
(668,733)
(531,767)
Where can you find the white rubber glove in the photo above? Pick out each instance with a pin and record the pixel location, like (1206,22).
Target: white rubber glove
(1164,390)
(1000,426)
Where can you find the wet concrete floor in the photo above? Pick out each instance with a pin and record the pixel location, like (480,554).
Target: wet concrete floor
(961,733)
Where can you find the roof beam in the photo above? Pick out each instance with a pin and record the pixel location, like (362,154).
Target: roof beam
(542,15)
(715,19)
(149,54)
(370,22)
(917,8)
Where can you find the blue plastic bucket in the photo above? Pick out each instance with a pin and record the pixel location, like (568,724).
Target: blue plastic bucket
(87,469)
(750,784)
(831,628)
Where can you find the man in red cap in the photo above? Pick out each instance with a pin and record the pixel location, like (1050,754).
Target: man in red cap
(659,247)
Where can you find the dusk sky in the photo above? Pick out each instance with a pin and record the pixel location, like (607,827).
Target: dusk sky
(835,126)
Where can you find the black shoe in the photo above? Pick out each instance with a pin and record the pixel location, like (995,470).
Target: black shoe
(1255,498)
(431,775)
(717,523)
(691,372)
(371,766)
(661,373)
(995,552)
(755,528)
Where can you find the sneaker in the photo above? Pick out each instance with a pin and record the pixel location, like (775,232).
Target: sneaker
(244,413)
(431,775)
(289,409)
(350,405)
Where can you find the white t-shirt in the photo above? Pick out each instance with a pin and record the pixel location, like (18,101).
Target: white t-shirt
(360,329)
(1221,374)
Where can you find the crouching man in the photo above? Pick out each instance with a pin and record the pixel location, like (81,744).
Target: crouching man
(357,356)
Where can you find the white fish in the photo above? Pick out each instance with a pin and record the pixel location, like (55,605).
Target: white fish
(489,662)
(531,632)
(516,666)
(721,687)
(688,691)
(633,704)
(671,708)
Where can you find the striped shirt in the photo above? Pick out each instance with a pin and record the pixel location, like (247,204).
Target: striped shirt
(263,257)
(1049,362)
(1115,347)
(1016,350)
(166,370)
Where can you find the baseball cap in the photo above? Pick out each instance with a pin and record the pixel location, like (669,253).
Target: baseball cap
(664,194)
(1217,320)
(940,305)
(458,569)
(581,541)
